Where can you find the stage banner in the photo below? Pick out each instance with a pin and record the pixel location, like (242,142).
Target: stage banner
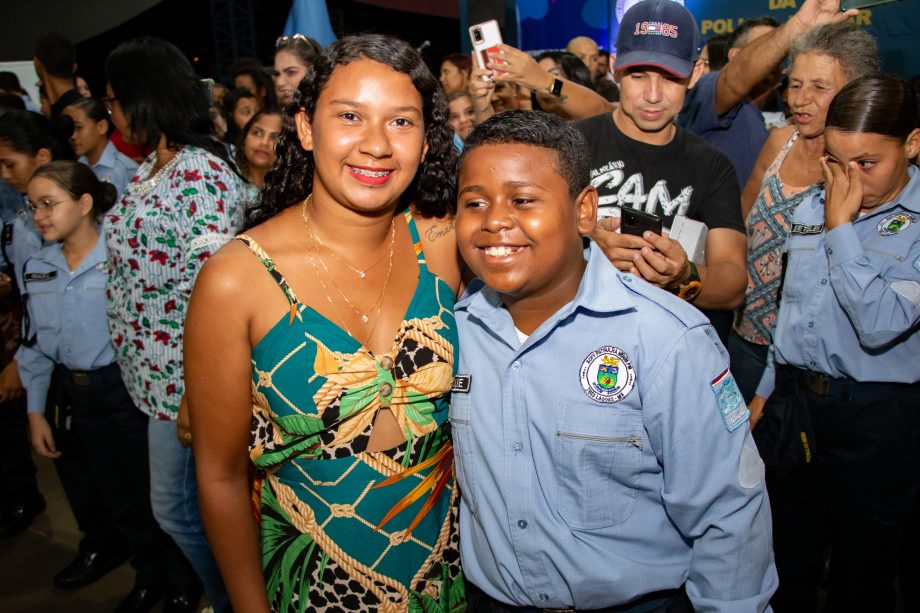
(549,24)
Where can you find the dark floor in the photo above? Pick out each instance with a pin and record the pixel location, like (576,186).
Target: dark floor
(29,560)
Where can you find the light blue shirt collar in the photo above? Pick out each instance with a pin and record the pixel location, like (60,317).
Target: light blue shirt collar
(54,256)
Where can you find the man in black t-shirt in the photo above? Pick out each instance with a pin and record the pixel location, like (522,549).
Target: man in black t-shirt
(641,159)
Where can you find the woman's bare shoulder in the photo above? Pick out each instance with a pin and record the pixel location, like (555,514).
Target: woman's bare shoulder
(439,242)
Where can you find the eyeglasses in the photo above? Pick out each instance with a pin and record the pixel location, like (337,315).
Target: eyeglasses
(109,103)
(281,41)
(43,207)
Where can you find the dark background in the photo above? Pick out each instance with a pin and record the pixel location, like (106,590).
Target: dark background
(188,24)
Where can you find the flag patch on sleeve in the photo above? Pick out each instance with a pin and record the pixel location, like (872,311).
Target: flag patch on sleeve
(731,404)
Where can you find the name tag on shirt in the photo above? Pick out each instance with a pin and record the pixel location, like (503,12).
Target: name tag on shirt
(462,384)
(800,228)
(40,276)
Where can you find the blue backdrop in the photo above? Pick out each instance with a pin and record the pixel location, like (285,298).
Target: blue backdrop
(549,24)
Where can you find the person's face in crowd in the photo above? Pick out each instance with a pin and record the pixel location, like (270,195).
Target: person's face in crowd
(586,50)
(650,99)
(452,78)
(17,167)
(881,161)
(517,227)
(57,214)
(117,113)
(261,140)
(704,60)
(218,92)
(289,72)
(244,110)
(367,136)
(503,96)
(550,66)
(83,88)
(88,136)
(461,116)
(601,66)
(814,80)
(217,118)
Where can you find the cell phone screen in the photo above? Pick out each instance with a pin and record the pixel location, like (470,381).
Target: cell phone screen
(863,4)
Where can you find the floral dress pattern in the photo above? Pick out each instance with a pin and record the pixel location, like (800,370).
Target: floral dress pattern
(344,529)
(157,242)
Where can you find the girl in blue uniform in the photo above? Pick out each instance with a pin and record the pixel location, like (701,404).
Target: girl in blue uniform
(845,354)
(80,413)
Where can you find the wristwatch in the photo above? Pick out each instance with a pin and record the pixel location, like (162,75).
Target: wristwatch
(690,289)
(555,89)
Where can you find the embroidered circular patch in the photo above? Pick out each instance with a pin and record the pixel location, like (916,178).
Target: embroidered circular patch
(894,223)
(607,375)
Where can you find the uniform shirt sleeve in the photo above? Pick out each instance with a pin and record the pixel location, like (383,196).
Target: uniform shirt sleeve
(35,370)
(713,478)
(209,213)
(882,304)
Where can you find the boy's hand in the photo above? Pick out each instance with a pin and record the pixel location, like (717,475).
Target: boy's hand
(619,248)
(42,439)
(664,263)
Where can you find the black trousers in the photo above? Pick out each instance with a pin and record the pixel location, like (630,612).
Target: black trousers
(668,601)
(17,470)
(853,502)
(104,469)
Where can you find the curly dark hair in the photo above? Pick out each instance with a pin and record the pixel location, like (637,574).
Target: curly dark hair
(432,191)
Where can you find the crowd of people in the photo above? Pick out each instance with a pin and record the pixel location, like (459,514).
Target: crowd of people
(579,330)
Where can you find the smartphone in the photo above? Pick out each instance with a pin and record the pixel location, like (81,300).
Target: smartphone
(846,5)
(638,222)
(486,37)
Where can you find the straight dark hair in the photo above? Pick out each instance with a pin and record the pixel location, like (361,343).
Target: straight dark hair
(27,132)
(161,94)
(432,190)
(876,104)
(77,179)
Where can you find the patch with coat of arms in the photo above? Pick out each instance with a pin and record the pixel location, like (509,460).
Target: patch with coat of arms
(607,375)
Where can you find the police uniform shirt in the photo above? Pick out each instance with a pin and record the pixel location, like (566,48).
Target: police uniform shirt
(608,456)
(21,242)
(67,315)
(113,167)
(850,305)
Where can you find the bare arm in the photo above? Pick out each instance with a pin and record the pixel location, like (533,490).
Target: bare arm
(575,102)
(724,277)
(481,87)
(757,60)
(217,377)
(767,154)
(439,242)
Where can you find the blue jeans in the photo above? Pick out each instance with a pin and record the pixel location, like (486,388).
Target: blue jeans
(748,362)
(174,497)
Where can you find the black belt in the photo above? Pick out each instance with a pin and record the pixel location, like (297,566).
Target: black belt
(644,604)
(842,387)
(91,378)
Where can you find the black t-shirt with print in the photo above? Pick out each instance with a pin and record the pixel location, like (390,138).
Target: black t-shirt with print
(686,176)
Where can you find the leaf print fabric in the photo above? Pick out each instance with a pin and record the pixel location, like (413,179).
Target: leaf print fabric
(157,242)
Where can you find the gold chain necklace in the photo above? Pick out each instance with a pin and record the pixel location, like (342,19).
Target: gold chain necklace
(374,311)
(362,273)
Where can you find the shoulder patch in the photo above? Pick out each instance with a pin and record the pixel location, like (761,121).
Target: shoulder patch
(731,404)
(894,223)
(607,375)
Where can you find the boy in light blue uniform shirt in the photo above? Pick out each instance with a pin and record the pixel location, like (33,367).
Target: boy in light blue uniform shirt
(602,447)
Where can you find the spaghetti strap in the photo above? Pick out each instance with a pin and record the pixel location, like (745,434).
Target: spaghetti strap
(269,265)
(416,240)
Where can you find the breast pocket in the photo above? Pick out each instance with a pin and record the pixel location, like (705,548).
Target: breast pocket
(598,451)
(465,461)
(44,309)
(800,268)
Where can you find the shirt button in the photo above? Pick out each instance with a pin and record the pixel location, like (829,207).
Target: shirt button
(811,324)
(544,597)
(516,365)
(823,281)
(812,364)
(386,389)
(516,448)
(830,251)
(386,363)
(522,524)
(69,288)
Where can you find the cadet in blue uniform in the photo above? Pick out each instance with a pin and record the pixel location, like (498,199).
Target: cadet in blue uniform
(846,358)
(602,446)
(80,413)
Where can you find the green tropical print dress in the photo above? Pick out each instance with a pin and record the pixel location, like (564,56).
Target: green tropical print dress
(344,529)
